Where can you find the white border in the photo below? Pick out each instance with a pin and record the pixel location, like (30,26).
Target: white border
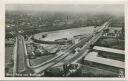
(2,34)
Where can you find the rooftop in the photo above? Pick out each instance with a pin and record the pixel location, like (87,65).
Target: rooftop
(92,56)
(109,50)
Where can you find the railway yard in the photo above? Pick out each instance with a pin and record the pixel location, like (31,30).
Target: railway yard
(64,44)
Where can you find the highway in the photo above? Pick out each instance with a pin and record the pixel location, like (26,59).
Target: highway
(84,48)
(83,51)
(20,58)
(22,63)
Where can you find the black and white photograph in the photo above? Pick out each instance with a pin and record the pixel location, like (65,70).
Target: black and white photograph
(65,40)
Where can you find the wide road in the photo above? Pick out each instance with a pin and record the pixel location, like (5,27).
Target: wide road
(21,62)
(83,51)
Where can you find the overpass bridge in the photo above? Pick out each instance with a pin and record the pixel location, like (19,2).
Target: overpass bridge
(22,63)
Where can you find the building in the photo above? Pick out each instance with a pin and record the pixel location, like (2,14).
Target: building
(93,60)
(110,53)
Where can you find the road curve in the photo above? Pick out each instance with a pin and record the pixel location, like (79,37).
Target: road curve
(22,62)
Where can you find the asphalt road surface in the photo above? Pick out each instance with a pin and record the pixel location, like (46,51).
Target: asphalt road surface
(21,63)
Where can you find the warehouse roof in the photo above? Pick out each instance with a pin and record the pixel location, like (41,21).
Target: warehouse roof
(109,49)
(92,56)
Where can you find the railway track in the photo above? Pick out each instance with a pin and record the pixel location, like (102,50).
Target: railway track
(23,62)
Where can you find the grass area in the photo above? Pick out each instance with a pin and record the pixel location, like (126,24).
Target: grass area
(8,58)
(41,59)
(113,56)
(116,43)
(120,45)
(111,43)
(8,55)
(87,71)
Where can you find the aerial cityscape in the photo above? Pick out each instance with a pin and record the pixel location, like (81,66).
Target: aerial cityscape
(64,40)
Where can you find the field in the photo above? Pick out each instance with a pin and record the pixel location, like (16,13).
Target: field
(111,43)
(87,71)
(41,59)
(116,43)
(8,58)
(67,33)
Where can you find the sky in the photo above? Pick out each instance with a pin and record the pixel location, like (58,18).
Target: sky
(114,9)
